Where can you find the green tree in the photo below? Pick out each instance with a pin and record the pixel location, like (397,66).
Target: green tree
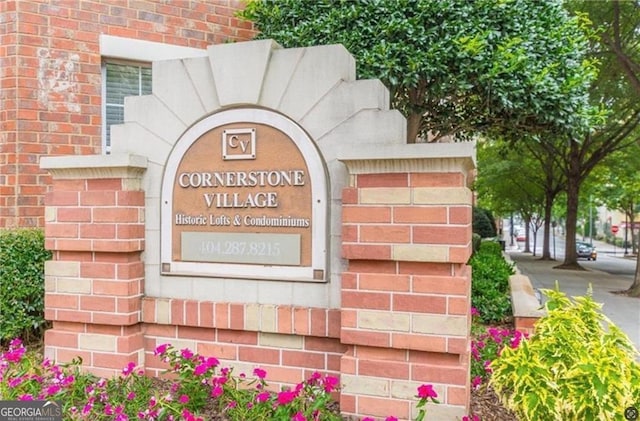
(510,180)
(618,187)
(580,152)
(618,23)
(454,68)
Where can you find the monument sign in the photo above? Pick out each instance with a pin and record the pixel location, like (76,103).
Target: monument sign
(244,195)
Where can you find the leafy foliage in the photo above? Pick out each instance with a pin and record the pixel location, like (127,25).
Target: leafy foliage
(483,223)
(453,67)
(490,283)
(572,368)
(22,257)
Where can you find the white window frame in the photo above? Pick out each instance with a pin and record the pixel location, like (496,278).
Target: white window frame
(140,65)
(119,49)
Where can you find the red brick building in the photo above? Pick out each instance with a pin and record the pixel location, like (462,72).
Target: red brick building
(65,67)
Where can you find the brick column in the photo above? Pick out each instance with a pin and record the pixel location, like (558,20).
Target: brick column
(406,234)
(94,225)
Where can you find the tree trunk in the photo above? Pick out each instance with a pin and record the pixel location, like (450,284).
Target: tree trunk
(634,242)
(413,127)
(527,231)
(548,205)
(573,193)
(634,289)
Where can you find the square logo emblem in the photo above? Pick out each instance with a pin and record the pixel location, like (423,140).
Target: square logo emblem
(238,144)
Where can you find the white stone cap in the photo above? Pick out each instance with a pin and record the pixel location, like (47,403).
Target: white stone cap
(94,166)
(365,158)
(140,50)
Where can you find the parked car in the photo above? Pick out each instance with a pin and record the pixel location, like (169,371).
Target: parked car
(586,250)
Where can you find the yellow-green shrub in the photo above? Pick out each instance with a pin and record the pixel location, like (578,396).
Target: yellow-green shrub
(572,368)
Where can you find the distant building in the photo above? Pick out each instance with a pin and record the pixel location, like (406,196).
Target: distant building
(65,68)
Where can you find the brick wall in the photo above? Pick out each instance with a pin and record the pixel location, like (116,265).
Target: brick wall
(405,293)
(404,318)
(51,78)
(95,282)
(289,342)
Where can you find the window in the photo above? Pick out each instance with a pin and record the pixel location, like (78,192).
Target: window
(122,80)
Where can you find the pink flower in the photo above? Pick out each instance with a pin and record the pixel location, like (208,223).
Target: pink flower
(391,418)
(299,416)
(517,337)
(212,362)
(474,311)
(285,397)
(52,390)
(259,373)
(108,409)
(26,397)
(14,355)
(183,399)
(471,418)
(220,380)
(426,391)
(262,397)
(330,383)
(67,381)
(131,396)
(216,391)
(15,382)
(161,349)
(188,416)
(186,353)
(476,382)
(368,419)
(200,369)
(129,368)
(232,404)
(87,408)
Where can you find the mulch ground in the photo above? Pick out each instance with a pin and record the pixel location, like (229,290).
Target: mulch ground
(486,405)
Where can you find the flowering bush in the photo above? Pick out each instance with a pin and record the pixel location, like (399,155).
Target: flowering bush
(199,385)
(486,347)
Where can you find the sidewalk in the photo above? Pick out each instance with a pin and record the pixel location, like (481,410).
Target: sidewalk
(622,310)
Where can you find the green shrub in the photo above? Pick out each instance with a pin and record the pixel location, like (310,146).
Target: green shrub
(22,257)
(490,283)
(572,368)
(476,240)
(483,223)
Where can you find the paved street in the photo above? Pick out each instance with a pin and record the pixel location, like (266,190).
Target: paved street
(622,310)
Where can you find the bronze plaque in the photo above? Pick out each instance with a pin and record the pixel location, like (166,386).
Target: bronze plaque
(242,194)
